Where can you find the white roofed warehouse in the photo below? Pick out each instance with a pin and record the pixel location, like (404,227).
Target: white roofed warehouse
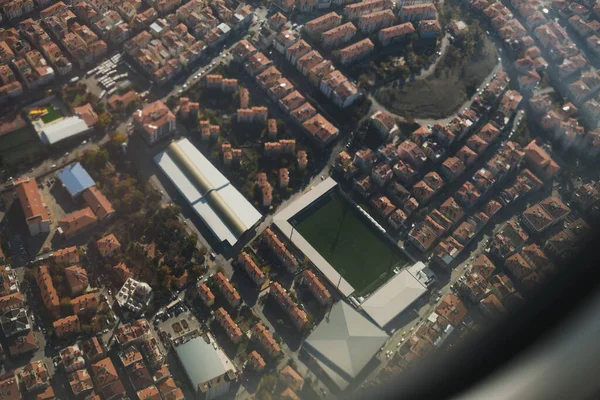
(223,209)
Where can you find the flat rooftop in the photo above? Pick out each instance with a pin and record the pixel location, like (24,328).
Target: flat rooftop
(393,298)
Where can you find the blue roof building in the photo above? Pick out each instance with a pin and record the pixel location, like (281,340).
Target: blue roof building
(75,179)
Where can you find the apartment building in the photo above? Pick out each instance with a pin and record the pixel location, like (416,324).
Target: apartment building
(329,83)
(339,35)
(467,195)
(356,51)
(542,164)
(297,316)
(6,53)
(242,50)
(309,61)
(84,304)
(283,254)
(396,33)
(354,11)
(297,51)
(285,5)
(77,222)
(305,5)
(17,8)
(36,214)
(231,294)
(280,89)
(285,39)
(206,295)
(66,326)
(316,287)
(321,130)
(257,63)
(265,338)
(108,245)
(372,22)
(303,113)
(9,86)
(417,12)
(154,122)
(302,160)
(410,152)
(452,168)
(34,376)
(277,21)
(320,71)
(111,27)
(384,124)
(77,279)
(422,237)
(430,28)
(246,262)
(233,331)
(56,58)
(255,361)
(47,290)
(323,23)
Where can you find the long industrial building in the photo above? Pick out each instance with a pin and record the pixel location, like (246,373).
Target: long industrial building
(214,199)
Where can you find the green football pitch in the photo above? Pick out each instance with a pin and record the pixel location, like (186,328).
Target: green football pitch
(52,115)
(350,243)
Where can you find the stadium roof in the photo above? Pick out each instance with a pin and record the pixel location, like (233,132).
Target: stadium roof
(216,201)
(344,343)
(76,179)
(66,128)
(393,298)
(203,361)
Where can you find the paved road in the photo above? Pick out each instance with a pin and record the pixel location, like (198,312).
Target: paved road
(443,49)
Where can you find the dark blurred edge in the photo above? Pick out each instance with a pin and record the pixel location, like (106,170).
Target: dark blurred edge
(446,374)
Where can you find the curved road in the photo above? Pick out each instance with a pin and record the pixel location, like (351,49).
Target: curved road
(376,106)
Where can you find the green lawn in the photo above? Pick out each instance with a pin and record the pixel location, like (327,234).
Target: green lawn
(52,115)
(350,244)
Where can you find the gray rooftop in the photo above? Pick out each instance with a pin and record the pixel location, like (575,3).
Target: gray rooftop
(202,361)
(344,343)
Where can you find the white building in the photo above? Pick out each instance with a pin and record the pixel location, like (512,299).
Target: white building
(214,199)
(209,371)
(134,295)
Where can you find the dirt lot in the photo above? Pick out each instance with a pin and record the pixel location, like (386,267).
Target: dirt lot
(443,92)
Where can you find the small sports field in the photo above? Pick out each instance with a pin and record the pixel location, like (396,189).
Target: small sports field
(52,115)
(349,242)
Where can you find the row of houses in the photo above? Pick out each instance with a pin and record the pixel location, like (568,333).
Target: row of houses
(320,72)
(423,236)
(393,166)
(566,69)
(282,92)
(170,44)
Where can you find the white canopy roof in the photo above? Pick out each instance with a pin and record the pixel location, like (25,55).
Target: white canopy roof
(393,298)
(244,211)
(344,343)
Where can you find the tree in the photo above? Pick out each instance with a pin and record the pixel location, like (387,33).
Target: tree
(268,383)
(118,138)
(363,81)
(104,120)
(29,274)
(65,305)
